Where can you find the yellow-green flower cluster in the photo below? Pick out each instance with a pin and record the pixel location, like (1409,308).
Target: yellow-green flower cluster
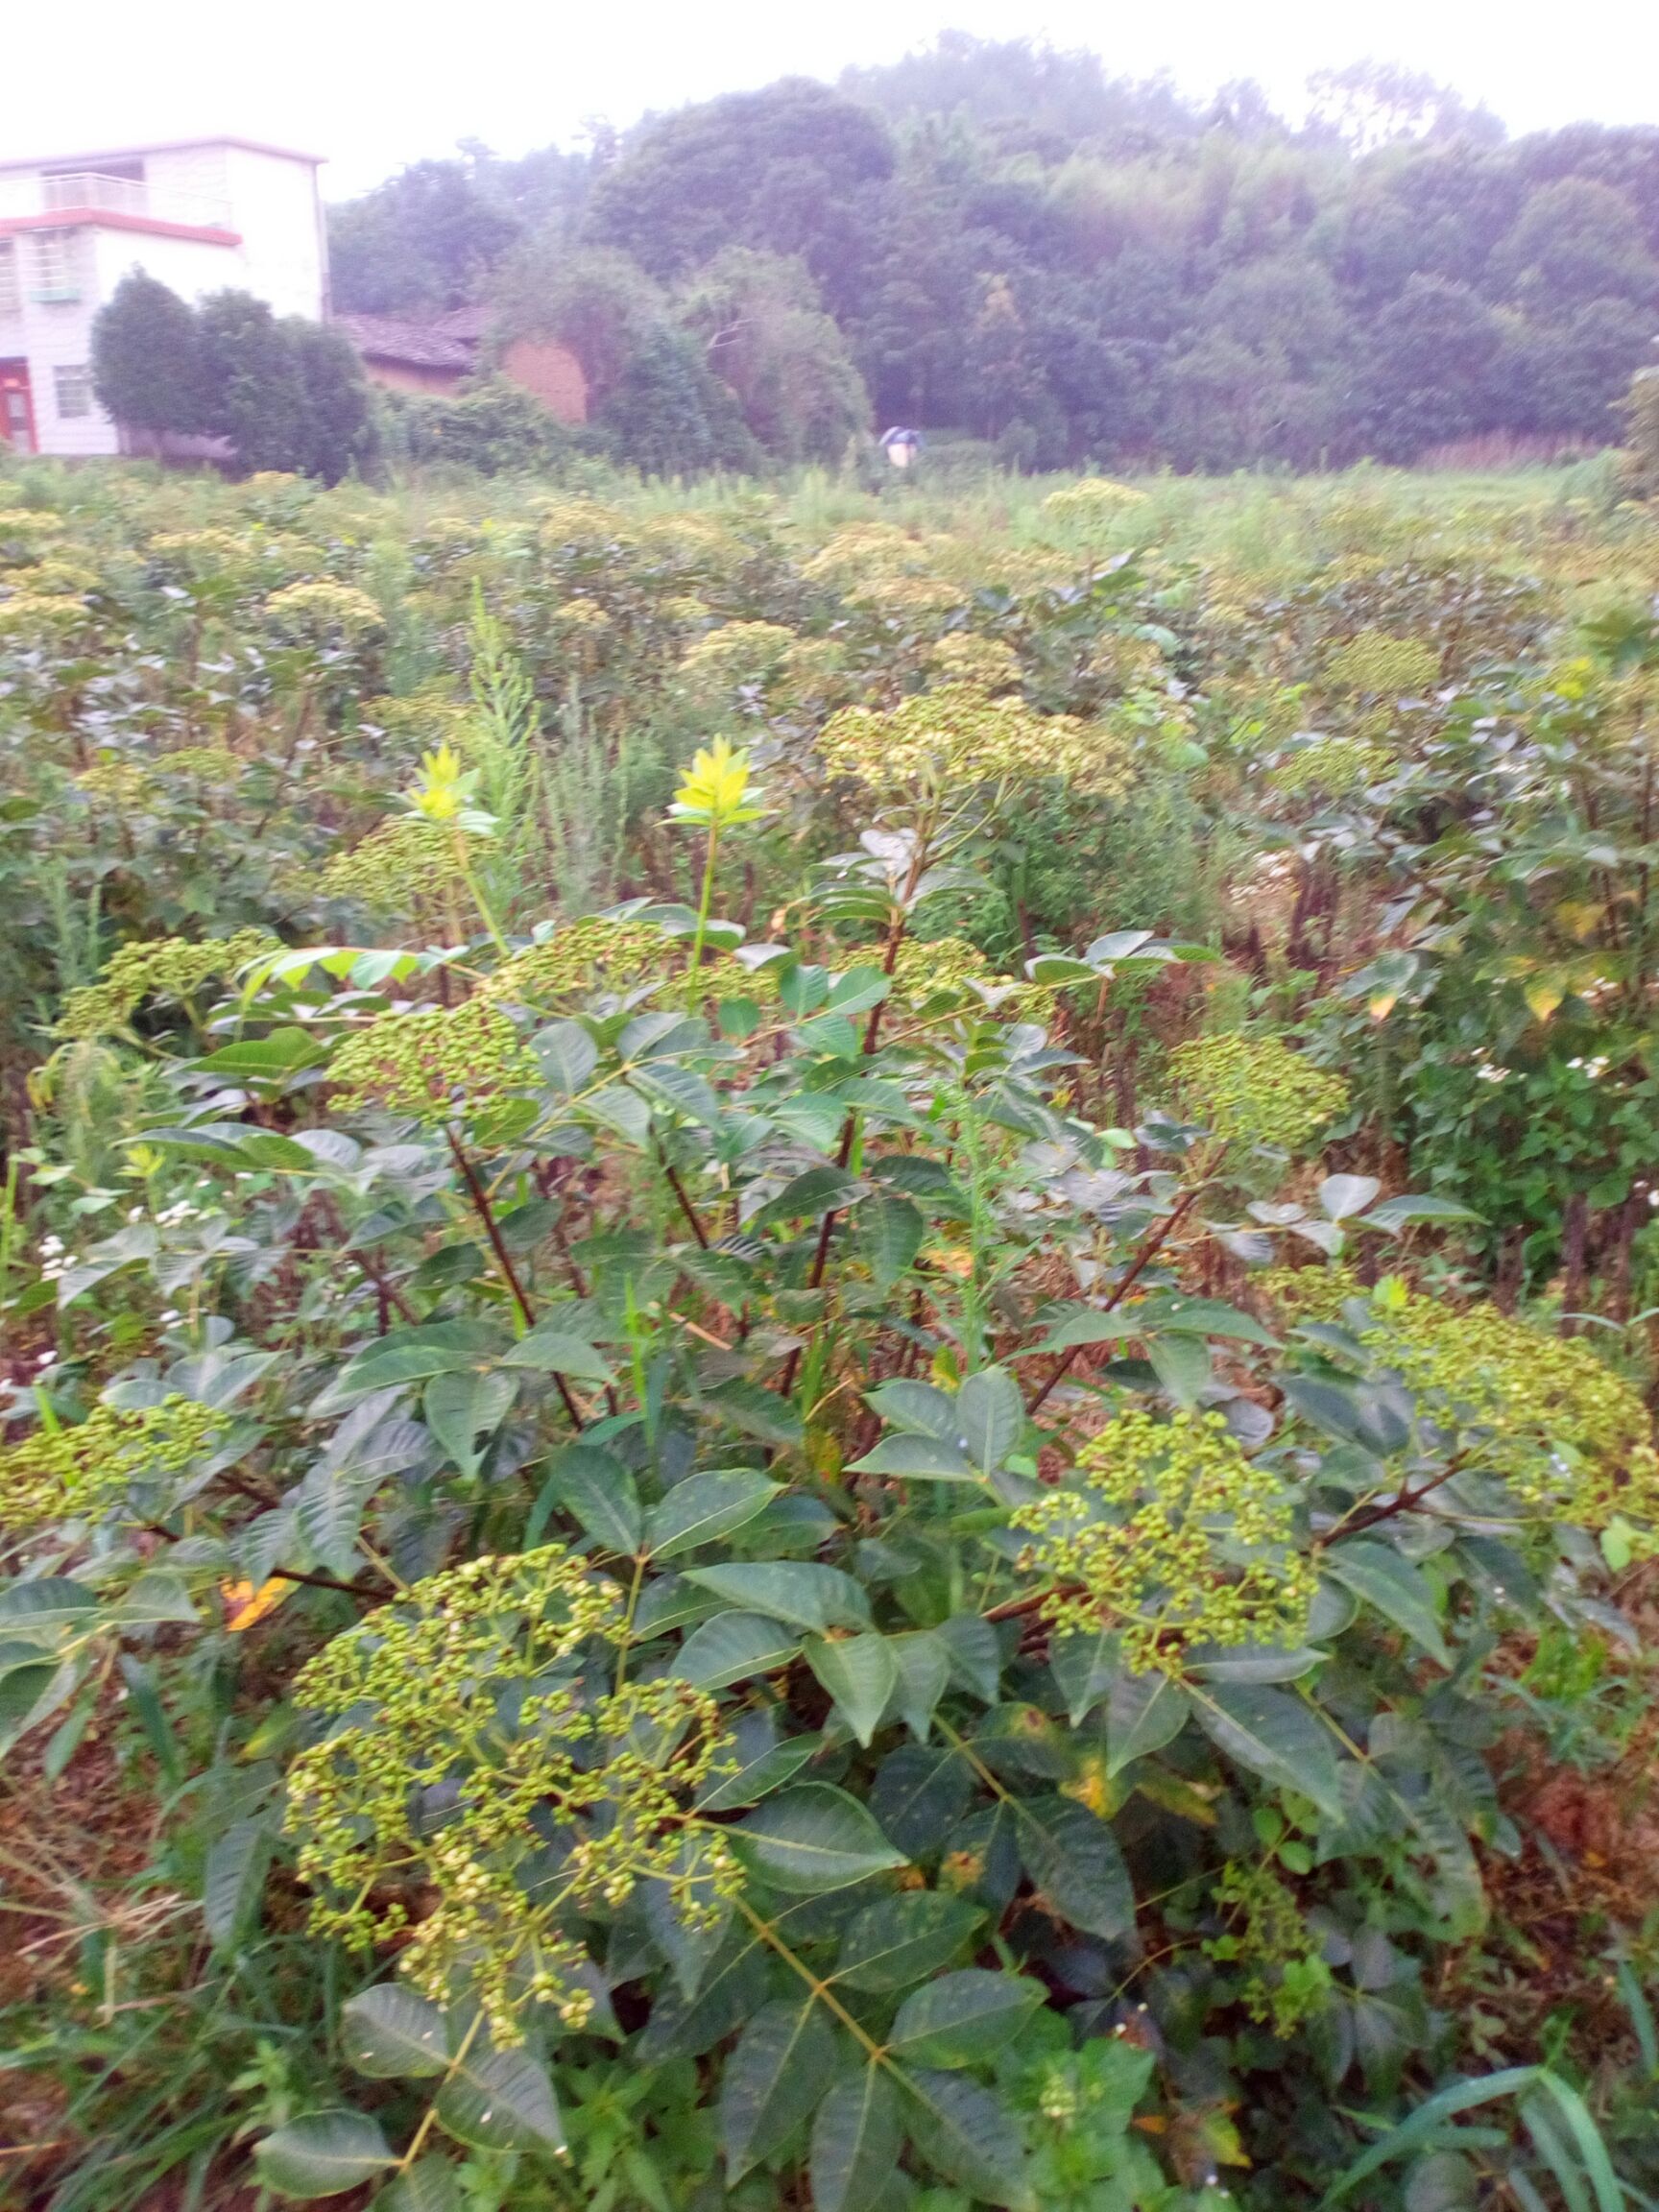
(938,973)
(24,530)
(1092,500)
(428,716)
(1250,1090)
(124,784)
(485,1683)
(984,663)
(867,550)
(435,1063)
(62,578)
(1173,1539)
(38,618)
(1311,1293)
(956,736)
(602,953)
(1561,1428)
(173,968)
(324,610)
(1330,766)
(405,864)
(1266,1932)
(596,953)
(217,557)
(737,654)
(89,1470)
(1377,665)
(211,763)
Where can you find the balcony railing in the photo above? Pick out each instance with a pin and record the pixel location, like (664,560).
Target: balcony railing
(76,193)
(125,195)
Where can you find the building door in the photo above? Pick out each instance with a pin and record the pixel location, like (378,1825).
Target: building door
(17,407)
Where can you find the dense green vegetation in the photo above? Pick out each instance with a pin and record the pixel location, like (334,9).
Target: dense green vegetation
(282,392)
(829,1341)
(1005,242)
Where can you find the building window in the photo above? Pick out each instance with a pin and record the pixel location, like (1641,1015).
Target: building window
(56,265)
(72,389)
(10,298)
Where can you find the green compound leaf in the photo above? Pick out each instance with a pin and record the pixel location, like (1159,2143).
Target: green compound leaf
(969,2135)
(593,1484)
(990,1415)
(924,1677)
(1276,1736)
(1086,1668)
(902,1939)
(804,1595)
(430,2185)
(1394,1587)
(891,1229)
(389,2033)
(751,1766)
(1075,1861)
(815,1838)
(460,1409)
(733,1647)
(772,2079)
(857,2139)
(923,1458)
(405,1355)
(234,1877)
(860,1673)
(704,1507)
(549,1350)
(963,2018)
(500,2101)
(323,2155)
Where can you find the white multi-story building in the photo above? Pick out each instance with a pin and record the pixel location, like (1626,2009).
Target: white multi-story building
(202,215)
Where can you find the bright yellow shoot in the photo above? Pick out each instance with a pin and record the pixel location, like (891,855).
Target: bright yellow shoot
(444,789)
(445,795)
(715,795)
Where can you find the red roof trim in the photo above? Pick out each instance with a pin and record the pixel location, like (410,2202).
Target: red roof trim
(112,219)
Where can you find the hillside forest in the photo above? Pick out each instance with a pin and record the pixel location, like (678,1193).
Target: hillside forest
(1006,244)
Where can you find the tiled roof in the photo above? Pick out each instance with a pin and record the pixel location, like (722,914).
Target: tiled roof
(423,345)
(469,323)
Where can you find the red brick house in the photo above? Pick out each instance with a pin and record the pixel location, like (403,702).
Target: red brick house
(437,353)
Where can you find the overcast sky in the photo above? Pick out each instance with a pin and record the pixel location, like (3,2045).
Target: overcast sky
(373,85)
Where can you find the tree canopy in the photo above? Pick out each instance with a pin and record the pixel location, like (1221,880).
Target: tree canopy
(283,393)
(1003,240)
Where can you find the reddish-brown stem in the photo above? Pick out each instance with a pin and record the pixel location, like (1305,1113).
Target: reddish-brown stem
(1151,1245)
(850,1127)
(504,1261)
(686,1206)
(325,1582)
(386,1290)
(278,1573)
(1407,1500)
(480,1198)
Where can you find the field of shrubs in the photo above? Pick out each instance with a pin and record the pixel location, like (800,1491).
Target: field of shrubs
(830,1332)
